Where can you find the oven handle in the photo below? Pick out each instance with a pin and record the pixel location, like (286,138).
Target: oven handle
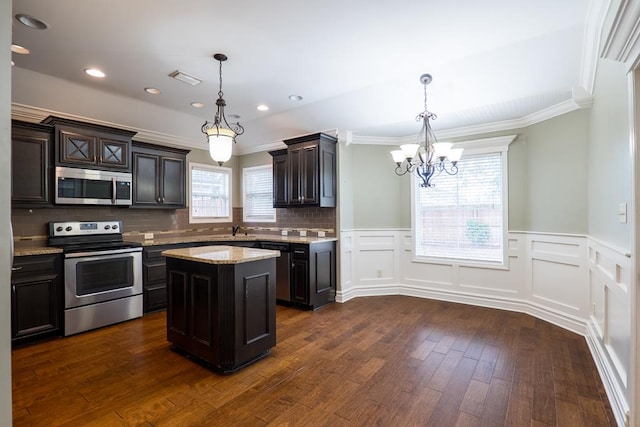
(113,190)
(101,253)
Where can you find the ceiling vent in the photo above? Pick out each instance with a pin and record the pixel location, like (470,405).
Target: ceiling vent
(185,78)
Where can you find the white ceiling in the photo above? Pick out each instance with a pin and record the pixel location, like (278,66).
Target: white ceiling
(355,62)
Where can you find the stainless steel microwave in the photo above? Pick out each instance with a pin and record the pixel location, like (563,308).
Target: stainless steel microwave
(92,187)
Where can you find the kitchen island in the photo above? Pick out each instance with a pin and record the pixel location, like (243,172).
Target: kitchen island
(221,304)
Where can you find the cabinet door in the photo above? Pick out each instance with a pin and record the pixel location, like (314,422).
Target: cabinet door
(300,280)
(146,172)
(34,305)
(173,185)
(295,175)
(280,188)
(113,153)
(77,149)
(30,167)
(309,175)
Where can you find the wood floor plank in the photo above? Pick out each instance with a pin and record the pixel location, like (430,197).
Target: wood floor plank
(371,361)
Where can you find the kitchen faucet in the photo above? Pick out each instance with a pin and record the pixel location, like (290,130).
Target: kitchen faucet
(234,229)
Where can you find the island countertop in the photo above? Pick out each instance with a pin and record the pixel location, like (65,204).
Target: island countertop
(221,254)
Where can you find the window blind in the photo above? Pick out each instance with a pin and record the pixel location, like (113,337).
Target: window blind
(258,194)
(462,216)
(210,191)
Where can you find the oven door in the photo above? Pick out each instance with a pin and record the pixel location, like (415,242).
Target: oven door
(92,277)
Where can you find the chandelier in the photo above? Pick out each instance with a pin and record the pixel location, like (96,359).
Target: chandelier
(220,134)
(427,158)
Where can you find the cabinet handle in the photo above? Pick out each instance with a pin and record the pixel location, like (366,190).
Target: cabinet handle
(114,190)
(159,200)
(16,268)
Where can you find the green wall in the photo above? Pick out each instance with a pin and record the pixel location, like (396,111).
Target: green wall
(547,180)
(610,175)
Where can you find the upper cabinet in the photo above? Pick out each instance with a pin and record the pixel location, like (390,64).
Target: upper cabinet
(91,146)
(307,176)
(31,164)
(158,176)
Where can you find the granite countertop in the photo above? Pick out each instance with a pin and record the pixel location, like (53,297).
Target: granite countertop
(221,254)
(35,250)
(228,238)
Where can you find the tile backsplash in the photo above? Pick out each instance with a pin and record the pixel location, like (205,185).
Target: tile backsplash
(31,224)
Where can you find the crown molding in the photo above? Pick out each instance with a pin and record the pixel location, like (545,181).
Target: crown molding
(32,114)
(580,99)
(622,32)
(596,14)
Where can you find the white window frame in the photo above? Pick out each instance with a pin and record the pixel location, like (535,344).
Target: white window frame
(480,146)
(211,168)
(245,216)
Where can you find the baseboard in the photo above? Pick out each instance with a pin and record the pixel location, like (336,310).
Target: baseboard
(615,394)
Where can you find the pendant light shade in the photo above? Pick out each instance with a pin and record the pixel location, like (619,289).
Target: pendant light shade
(220,144)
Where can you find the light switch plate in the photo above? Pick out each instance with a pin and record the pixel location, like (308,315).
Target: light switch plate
(320,233)
(148,236)
(622,213)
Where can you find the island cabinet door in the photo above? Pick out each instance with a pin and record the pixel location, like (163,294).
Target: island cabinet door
(255,314)
(177,309)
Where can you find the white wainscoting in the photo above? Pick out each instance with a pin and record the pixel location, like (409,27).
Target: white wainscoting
(571,281)
(609,323)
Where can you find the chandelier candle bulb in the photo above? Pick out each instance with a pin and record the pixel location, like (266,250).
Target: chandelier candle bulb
(398,156)
(409,150)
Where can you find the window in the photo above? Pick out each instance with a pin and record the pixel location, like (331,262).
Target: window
(257,194)
(463,218)
(210,193)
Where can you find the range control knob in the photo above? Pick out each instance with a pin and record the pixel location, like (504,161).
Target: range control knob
(114,226)
(106,227)
(69,228)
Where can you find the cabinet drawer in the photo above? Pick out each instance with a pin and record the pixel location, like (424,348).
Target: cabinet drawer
(300,251)
(155,298)
(35,264)
(154,272)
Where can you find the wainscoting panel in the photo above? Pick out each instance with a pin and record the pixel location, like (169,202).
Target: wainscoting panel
(609,325)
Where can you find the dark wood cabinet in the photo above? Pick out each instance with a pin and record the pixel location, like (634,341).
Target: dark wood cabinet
(313,274)
(154,276)
(158,176)
(223,314)
(86,145)
(36,297)
(31,164)
(280,181)
(307,175)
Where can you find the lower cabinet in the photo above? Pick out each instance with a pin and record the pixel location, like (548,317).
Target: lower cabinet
(154,277)
(313,274)
(36,297)
(223,314)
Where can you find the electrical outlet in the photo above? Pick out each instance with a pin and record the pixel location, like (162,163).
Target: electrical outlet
(320,233)
(379,273)
(622,213)
(303,233)
(148,236)
(285,233)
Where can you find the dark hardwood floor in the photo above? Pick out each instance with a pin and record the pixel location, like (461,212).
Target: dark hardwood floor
(389,361)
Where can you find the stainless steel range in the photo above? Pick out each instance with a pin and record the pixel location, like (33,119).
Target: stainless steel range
(102,274)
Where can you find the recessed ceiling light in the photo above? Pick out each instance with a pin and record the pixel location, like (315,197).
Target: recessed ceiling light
(20,50)
(31,22)
(152,90)
(295,97)
(197,104)
(94,72)
(262,107)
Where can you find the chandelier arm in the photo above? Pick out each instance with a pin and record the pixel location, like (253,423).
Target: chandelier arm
(453,170)
(425,172)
